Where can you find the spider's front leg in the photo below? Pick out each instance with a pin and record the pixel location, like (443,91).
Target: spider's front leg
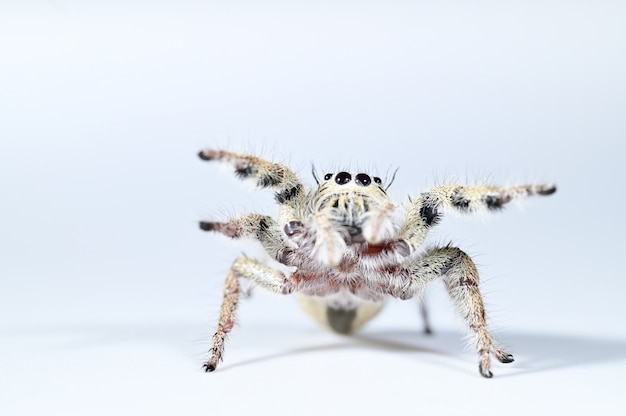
(460,276)
(258,227)
(288,189)
(261,275)
(426,210)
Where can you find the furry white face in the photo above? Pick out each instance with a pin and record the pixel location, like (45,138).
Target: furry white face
(347,209)
(351,201)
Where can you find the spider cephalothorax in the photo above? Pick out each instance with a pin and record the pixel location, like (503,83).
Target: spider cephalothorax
(350,247)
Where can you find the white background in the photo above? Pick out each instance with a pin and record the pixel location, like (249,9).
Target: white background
(109,293)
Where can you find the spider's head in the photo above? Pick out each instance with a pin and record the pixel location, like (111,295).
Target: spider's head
(357,206)
(344,188)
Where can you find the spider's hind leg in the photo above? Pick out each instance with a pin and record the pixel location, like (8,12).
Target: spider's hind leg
(460,276)
(462,283)
(423,308)
(259,274)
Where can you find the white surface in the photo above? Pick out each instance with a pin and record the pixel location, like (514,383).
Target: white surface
(109,293)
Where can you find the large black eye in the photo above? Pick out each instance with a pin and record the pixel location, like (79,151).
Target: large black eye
(377,180)
(343,178)
(328,176)
(363,179)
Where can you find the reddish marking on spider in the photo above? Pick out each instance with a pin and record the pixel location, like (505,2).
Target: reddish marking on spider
(374,249)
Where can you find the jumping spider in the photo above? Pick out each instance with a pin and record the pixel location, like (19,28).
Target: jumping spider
(348,252)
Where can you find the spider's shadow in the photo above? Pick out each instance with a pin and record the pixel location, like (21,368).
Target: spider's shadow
(534,352)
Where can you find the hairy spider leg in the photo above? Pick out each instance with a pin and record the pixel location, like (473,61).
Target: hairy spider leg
(426,210)
(288,189)
(258,227)
(261,275)
(460,276)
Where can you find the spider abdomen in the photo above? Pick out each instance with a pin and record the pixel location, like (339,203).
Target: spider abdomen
(343,312)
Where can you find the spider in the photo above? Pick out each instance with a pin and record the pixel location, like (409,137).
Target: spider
(348,248)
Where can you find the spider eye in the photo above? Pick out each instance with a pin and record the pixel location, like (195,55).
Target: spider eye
(363,179)
(377,180)
(328,176)
(343,178)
